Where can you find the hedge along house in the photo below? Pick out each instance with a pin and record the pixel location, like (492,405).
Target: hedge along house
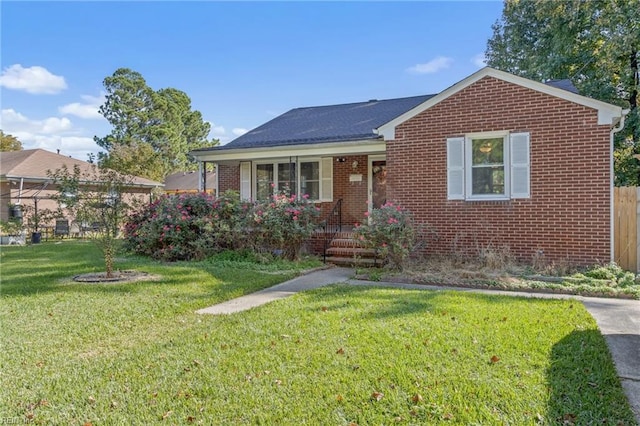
(495,160)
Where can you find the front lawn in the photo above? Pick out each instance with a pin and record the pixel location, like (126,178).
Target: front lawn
(138,354)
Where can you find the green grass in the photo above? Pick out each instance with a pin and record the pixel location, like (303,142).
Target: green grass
(138,354)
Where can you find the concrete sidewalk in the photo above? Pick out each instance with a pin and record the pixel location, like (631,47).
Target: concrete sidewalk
(305,282)
(618,319)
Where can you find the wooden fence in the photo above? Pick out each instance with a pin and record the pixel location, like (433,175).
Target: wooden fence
(625,230)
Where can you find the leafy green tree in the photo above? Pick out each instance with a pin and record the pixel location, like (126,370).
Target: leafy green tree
(9,143)
(96,199)
(594,43)
(153,131)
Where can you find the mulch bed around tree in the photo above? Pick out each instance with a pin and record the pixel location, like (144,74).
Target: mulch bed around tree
(117,277)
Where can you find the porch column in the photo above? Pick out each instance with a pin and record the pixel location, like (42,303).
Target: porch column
(201,173)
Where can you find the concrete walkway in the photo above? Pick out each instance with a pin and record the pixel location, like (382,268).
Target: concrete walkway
(618,319)
(280,291)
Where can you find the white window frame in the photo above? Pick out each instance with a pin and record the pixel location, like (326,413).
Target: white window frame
(517,166)
(321,179)
(468,161)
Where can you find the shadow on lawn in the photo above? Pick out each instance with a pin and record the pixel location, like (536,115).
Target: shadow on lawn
(40,277)
(584,386)
(374,304)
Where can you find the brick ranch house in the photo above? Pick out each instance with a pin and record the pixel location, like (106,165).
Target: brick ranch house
(494,160)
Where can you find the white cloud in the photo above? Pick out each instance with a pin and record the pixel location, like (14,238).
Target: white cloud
(479,60)
(55,125)
(437,64)
(35,80)
(51,133)
(87,109)
(14,122)
(75,146)
(217,130)
(220,133)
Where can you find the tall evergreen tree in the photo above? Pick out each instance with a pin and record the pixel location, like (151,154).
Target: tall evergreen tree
(153,131)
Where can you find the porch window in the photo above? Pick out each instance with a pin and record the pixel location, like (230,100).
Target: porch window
(488,166)
(312,177)
(264,181)
(287,178)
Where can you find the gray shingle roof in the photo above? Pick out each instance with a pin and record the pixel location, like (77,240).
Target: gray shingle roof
(335,123)
(565,84)
(36,163)
(332,123)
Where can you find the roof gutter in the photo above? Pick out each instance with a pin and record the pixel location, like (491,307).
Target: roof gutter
(615,129)
(38,179)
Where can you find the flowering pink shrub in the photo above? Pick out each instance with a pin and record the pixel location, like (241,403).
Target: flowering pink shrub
(195,226)
(391,231)
(184,227)
(282,223)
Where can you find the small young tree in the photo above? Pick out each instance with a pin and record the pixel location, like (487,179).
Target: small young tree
(95,200)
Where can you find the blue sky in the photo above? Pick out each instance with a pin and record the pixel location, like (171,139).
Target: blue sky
(241,63)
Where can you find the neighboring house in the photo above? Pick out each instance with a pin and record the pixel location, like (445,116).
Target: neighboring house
(494,160)
(24,181)
(188,182)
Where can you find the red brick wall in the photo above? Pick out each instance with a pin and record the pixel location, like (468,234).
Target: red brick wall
(228,178)
(568,214)
(353,194)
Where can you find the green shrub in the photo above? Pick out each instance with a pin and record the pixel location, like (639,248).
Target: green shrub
(184,227)
(610,275)
(196,226)
(281,224)
(607,272)
(391,231)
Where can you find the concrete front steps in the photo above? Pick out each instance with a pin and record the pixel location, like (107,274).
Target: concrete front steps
(344,250)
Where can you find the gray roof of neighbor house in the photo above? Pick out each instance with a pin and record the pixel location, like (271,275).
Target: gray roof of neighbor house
(185,181)
(34,164)
(332,123)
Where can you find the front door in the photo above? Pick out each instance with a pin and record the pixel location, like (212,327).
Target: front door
(378,171)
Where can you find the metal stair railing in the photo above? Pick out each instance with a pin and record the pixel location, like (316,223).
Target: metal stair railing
(331,226)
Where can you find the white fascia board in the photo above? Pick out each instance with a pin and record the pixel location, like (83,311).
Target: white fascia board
(315,150)
(608,114)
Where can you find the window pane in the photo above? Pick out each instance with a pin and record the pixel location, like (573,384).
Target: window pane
(287,178)
(310,179)
(310,171)
(487,169)
(312,189)
(488,151)
(488,180)
(264,180)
